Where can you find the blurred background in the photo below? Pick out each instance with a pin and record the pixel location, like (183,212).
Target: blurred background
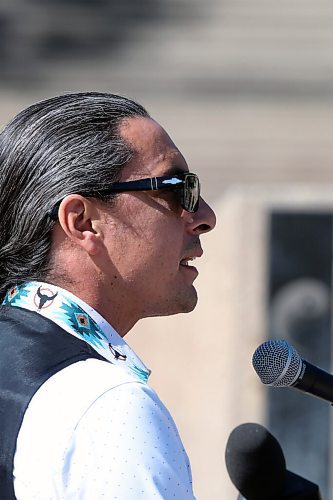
(245,89)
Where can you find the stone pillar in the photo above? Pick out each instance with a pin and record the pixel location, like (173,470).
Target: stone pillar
(201,362)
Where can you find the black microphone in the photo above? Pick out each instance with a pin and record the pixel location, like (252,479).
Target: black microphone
(257,467)
(278,364)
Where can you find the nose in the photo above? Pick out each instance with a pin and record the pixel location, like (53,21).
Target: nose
(203,220)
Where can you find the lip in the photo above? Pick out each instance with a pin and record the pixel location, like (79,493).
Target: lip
(193,255)
(189,269)
(189,258)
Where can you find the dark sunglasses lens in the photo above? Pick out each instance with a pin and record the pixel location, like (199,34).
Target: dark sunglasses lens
(191,193)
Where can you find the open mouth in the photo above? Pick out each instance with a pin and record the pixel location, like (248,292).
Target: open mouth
(185,262)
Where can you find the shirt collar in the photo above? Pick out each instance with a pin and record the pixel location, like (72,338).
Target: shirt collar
(79,319)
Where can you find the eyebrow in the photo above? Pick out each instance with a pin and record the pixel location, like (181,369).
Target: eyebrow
(174,170)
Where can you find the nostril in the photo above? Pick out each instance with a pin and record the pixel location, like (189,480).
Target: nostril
(203,228)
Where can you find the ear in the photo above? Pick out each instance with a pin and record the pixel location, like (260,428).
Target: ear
(78,217)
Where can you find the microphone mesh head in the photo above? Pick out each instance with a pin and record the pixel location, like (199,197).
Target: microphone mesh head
(277,363)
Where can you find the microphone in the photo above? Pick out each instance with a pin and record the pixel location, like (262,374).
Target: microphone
(257,467)
(278,364)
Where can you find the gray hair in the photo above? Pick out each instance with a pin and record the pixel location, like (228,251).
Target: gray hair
(63,145)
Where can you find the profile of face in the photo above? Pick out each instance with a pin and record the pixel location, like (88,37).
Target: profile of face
(150,239)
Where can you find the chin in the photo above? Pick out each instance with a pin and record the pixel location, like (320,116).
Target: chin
(181,307)
(184,303)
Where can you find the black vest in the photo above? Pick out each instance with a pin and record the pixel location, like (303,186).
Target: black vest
(32,348)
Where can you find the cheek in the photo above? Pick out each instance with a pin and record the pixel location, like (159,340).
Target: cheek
(147,239)
(155,258)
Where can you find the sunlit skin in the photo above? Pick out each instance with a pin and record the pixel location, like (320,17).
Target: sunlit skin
(126,259)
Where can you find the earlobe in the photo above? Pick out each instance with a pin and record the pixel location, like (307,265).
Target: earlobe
(91,243)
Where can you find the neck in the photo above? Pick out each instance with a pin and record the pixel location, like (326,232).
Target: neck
(106,291)
(116,311)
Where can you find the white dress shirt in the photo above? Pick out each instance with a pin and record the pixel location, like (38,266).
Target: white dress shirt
(95,430)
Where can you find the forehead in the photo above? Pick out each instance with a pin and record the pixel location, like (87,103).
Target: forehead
(155,152)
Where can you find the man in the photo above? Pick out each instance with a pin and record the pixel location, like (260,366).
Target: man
(99,221)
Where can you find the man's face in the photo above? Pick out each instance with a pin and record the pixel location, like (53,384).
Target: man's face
(149,237)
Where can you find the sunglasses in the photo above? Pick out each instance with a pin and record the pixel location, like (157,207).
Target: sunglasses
(187,184)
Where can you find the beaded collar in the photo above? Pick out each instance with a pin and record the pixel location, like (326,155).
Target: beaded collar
(79,319)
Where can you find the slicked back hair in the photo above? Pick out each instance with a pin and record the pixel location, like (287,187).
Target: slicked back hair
(63,145)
